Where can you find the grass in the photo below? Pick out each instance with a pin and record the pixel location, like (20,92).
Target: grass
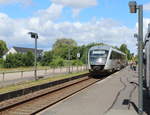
(38,82)
(22,68)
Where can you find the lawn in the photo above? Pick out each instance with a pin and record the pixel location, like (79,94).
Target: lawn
(38,82)
(22,68)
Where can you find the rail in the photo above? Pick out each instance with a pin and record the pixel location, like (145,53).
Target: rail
(43,99)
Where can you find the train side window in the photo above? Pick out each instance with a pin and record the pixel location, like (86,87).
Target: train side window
(111,56)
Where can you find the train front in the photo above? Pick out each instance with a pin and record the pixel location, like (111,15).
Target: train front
(97,60)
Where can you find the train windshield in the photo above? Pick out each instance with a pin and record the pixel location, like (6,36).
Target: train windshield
(99,53)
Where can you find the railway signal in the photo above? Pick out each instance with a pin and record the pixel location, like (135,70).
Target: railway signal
(35,36)
(133,9)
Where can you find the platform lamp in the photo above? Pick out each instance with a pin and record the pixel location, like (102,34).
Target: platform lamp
(35,36)
(133,9)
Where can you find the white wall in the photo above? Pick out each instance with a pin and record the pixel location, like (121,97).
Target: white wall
(12,50)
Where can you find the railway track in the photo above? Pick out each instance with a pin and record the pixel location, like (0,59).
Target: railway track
(33,103)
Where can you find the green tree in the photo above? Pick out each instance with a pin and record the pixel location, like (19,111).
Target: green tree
(64,42)
(57,62)
(1,62)
(19,60)
(124,49)
(28,59)
(13,60)
(47,58)
(62,46)
(3,48)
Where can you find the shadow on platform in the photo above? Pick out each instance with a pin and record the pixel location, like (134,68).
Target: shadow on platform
(146,102)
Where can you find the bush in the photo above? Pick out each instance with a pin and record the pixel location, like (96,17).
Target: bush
(12,60)
(57,62)
(1,62)
(28,59)
(19,60)
(77,62)
(47,58)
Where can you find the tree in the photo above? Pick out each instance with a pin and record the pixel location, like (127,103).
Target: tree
(3,48)
(64,42)
(47,58)
(57,62)
(19,60)
(13,60)
(28,59)
(124,49)
(62,46)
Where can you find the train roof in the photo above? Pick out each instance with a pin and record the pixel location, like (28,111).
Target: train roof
(101,47)
(105,47)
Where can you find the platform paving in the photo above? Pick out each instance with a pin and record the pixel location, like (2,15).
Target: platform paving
(115,95)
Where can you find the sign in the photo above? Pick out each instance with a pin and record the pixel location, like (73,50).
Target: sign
(98,52)
(78,55)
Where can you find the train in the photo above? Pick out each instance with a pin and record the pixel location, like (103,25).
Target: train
(146,61)
(105,59)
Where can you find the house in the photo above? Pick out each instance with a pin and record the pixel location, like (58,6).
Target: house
(23,50)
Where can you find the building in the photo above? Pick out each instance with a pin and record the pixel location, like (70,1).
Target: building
(23,50)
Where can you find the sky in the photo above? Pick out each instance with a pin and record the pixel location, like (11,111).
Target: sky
(85,21)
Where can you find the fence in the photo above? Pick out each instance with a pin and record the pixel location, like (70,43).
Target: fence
(13,77)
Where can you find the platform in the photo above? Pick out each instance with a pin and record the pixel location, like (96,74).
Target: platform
(115,95)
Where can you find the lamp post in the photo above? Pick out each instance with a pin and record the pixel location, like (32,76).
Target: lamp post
(35,36)
(69,58)
(78,56)
(133,9)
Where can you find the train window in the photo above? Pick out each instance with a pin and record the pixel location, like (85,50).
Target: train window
(115,55)
(99,53)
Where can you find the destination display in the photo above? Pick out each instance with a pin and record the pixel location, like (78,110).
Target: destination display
(98,52)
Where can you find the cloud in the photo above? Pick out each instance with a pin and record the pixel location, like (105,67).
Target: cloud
(146,6)
(52,13)
(76,5)
(26,2)
(14,32)
(146,21)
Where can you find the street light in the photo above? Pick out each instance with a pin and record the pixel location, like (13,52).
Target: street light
(69,58)
(133,6)
(35,36)
(133,9)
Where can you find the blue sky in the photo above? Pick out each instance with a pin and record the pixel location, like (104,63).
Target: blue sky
(87,21)
(114,9)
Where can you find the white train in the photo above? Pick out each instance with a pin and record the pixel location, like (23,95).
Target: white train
(105,59)
(147,60)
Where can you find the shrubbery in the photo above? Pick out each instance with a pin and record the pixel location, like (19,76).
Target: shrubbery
(1,62)
(58,56)
(57,62)
(18,60)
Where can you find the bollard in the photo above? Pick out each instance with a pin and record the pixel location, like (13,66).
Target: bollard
(45,71)
(21,74)
(72,68)
(54,70)
(3,76)
(3,84)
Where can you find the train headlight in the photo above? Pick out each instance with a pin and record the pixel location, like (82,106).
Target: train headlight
(100,60)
